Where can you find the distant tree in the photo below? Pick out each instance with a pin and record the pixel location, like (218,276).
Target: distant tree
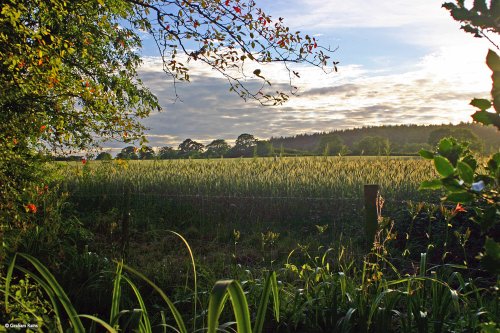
(189,147)
(461,134)
(344,150)
(330,144)
(146,153)
(217,148)
(244,145)
(70,158)
(128,153)
(167,152)
(104,156)
(372,145)
(410,148)
(436,135)
(264,148)
(464,134)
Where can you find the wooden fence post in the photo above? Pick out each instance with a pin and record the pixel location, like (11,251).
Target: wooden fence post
(371,217)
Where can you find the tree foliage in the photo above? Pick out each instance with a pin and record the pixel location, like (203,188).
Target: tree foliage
(146,153)
(225,35)
(244,145)
(330,144)
(104,156)
(217,148)
(373,145)
(478,19)
(482,20)
(189,146)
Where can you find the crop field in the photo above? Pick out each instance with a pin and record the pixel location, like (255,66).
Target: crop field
(341,177)
(229,191)
(211,200)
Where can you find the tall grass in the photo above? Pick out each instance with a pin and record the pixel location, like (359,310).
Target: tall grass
(328,293)
(138,320)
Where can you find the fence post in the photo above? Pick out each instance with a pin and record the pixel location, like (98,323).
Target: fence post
(371,217)
(126,225)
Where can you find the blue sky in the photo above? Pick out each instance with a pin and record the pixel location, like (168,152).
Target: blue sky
(400,62)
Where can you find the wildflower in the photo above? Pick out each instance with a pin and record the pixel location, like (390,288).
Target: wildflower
(458,209)
(42,128)
(84,161)
(30,208)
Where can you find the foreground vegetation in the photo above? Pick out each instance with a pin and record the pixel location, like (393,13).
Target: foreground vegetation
(421,274)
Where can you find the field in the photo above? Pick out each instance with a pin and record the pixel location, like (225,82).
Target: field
(211,199)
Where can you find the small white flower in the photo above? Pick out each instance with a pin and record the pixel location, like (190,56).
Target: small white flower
(478,186)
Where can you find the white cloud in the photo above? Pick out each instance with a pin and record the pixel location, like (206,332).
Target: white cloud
(434,87)
(334,14)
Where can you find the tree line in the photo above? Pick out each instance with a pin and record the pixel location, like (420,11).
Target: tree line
(368,141)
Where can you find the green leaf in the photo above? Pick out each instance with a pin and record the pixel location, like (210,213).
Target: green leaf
(487,218)
(465,172)
(445,146)
(270,285)
(56,288)
(460,197)
(239,303)
(145,318)
(496,158)
(482,104)
(434,184)
(484,117)
(100,322)
(426,154)
(8,280)
(493,61)
(471,161)
(452,185)
(181,327)
(117,291)
(443,166)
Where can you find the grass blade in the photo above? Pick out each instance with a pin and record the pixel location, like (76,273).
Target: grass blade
(117,291)
(194,275)
(100,322)
(49,292)
(238,300)
(270,285)
(145,318)
(8,280)
(58,291)
(177,316)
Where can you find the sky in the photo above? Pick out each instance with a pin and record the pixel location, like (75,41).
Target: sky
(400,62)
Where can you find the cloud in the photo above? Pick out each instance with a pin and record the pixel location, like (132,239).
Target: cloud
(402,62)
(431,91)
(320,14)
